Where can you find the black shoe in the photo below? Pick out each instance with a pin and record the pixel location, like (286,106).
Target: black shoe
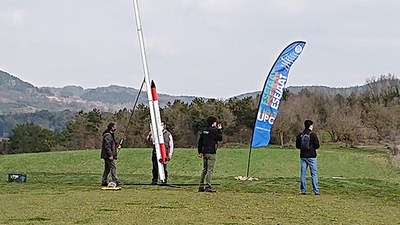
(210,190)
(153,182)
(201,189)
(117,183)
(303,193)
(104,184)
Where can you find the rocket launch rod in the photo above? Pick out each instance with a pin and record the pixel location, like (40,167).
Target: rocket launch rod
(130,117)
(154,126)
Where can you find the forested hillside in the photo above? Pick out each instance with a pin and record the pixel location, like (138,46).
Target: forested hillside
(370,117)
(17,96)
(54,121)
(52,108)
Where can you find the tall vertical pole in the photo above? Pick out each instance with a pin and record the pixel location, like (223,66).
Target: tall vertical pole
(154,128)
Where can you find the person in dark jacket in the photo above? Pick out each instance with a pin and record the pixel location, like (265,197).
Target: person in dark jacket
(169,148)
(109,152)
(308,156)
(207,149)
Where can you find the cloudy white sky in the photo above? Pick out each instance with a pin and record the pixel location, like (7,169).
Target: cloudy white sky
(209,48)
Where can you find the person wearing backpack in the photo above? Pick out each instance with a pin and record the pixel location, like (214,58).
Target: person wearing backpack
(307,141)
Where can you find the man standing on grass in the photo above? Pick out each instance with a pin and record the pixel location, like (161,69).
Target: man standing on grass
(169,148)
(207,149)
(109,153)
(307,141)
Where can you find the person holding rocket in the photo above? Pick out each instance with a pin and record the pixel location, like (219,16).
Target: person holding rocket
(169,147)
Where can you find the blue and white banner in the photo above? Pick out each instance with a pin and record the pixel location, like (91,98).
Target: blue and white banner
(272,93)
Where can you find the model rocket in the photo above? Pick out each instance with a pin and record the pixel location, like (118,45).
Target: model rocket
(155,117)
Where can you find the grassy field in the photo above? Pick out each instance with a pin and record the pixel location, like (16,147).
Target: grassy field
(64,188)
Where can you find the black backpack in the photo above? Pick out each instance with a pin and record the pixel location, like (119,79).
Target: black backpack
(306,141)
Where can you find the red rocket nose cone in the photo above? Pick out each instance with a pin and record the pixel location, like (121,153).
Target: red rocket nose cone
(153,85)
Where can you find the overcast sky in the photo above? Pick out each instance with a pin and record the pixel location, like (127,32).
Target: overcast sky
(207,48)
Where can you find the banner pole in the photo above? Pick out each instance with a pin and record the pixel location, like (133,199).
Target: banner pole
(248,163)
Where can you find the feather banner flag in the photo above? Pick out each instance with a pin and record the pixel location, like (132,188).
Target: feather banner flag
(272,93)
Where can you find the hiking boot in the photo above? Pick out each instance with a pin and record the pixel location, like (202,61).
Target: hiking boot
(201,189)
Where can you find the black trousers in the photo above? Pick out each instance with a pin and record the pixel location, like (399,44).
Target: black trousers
(155,168)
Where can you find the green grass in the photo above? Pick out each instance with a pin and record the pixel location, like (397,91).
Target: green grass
(63,188)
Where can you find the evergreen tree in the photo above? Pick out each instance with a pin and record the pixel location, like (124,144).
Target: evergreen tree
(31,138)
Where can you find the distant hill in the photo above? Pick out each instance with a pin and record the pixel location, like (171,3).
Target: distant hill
(314,89)
(17,96)
(53,108)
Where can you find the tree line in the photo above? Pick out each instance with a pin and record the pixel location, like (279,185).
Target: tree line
(369,117)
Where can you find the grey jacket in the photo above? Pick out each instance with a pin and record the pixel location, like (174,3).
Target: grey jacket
(167,142)
(109,146)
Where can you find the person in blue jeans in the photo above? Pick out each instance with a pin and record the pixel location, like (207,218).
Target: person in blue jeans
(307,141)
